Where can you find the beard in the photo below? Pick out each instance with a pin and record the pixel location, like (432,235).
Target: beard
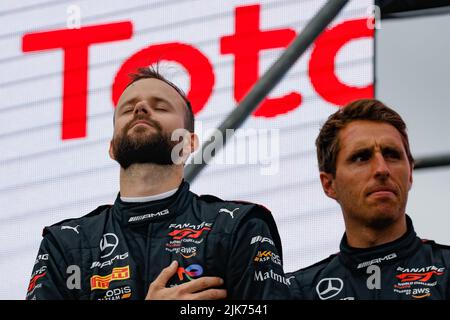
(139,146)
(381,222)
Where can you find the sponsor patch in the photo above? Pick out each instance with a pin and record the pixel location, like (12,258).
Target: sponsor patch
(102,282)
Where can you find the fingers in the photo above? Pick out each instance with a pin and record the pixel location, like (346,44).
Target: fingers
(166,274)
(201,284)
(198,289)
(210,294)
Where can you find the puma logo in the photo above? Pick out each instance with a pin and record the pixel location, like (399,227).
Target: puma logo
(228,211)
(72,228)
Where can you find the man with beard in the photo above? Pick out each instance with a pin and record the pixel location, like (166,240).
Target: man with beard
(366,165)
(117,251)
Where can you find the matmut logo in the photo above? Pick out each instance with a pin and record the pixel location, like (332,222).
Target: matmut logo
(187,233)
(102,282)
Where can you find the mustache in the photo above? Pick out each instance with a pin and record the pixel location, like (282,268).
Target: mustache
(154,148)
(382,187)
(150,121)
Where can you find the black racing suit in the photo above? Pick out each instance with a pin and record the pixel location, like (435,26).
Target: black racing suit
(406,269)
(115,252)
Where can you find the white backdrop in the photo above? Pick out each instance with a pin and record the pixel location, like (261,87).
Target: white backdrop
(47,175)
(412,72)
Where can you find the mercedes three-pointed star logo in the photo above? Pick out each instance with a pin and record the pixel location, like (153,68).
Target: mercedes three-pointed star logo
(329,287)
(108,244)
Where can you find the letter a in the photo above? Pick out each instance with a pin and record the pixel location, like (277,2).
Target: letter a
(374,280)
(74,281)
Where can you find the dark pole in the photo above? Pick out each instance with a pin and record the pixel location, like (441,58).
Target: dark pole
(267,82)
(432,162)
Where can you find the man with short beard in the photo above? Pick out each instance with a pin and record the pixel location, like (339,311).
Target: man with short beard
(117,251)
(366,165)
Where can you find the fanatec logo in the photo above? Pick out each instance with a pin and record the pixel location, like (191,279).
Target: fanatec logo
(191,226)
(108,244)
(329,287)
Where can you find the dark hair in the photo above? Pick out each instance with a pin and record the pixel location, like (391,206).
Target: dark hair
(327,143)
(151,72)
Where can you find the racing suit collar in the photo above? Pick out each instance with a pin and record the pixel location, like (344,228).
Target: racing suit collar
(131,213)
(361,258)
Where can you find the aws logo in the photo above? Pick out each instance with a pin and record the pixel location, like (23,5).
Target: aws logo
(420,293)
(188,252)
(191,272)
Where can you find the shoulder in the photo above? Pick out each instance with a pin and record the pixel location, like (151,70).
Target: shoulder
(70,232)
(438,251)
(231,212)
(436,245)
(233,215)
(306,275)
(236,218)
(303,281)
(213,201)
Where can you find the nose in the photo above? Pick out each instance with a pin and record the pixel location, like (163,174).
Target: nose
(380,167)
(142,107)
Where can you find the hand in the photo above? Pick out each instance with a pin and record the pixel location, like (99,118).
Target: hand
(193,290)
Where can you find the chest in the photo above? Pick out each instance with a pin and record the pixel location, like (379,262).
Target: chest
(126,261)
(399,281)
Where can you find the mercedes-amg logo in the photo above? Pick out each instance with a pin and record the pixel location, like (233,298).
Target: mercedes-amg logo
(329,287)
(108,244)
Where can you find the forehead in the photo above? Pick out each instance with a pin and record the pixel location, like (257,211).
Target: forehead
(366,134)
(148,88)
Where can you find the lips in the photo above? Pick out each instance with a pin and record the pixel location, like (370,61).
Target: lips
(382,194)
(141,122)
(382,191)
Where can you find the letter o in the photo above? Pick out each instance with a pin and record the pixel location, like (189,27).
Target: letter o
(196,63)
(322,62)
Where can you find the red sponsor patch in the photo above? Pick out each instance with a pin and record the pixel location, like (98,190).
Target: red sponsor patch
(34,280)
(417,276)
(187,233)
(102,282)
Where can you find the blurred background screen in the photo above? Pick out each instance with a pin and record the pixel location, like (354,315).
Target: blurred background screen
(62,61)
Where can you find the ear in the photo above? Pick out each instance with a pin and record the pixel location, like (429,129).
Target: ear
(328,186)
(190,145)
(111,152)
(411,177)
(187,144)
(194,142)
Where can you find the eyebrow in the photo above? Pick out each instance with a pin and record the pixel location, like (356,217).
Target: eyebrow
(160,99)
(370,149)
(130,100)
(135,99)
(395,149)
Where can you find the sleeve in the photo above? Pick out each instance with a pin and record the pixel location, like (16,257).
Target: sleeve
(255,269)
(295,285)
(48,277)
